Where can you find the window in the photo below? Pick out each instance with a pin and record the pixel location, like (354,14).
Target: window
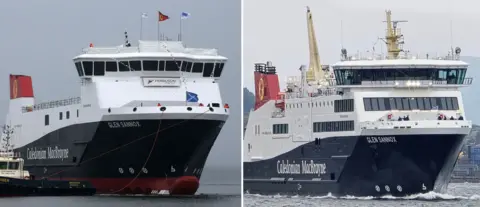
(173,65)
(421,103)
(443,103)
(398,102)
(455,103)
(77,113)
(382,104)
(98,68)
(67,115)
(184,66)
(218,70)
(135,65)
(161,65)
(197,67)
(3,165)
(374,102)
(13,165)
(280,129)
(87,67)
(345,105)
(333,126)
(111,66)
(434,103)
(123,66)
(391,102)
(356,76)
(78,65)
(150,65)
(60,115)
(47,121)
(368,104)
(427,103)
(189,67)
(449,103)
(411,103)
(406,103)
(208,69)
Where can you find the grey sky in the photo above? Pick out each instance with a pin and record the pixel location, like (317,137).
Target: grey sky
(40,38)
(277,31)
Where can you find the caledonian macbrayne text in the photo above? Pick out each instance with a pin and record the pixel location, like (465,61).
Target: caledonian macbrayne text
(284,167)
(49,153)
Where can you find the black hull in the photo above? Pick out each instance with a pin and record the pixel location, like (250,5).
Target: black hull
(17,187)
(110,155)
(405,165)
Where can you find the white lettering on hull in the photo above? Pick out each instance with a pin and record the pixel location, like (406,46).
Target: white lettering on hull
(123,124)
(374,140)
(49,153)
(311,168)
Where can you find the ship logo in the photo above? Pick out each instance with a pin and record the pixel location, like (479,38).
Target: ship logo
(15,88)
(261,89)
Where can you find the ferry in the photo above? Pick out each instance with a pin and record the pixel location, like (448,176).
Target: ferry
(382,124)
(144,123)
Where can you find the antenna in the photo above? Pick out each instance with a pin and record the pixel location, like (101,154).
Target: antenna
(451,36)
(393,38)
(341,33)
(127,44)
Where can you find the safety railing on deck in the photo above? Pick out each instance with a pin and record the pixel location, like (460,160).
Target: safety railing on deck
(52,104)
(405,83)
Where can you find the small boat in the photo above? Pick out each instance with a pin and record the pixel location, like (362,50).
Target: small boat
(15,181)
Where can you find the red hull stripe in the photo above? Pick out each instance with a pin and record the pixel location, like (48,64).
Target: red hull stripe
(185,185)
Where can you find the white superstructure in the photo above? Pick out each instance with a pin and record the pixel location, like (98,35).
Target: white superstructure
(126,83)
(364,96)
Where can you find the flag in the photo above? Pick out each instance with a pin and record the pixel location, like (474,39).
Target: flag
(144,15)
(162,17)
(192,97)
(185,15)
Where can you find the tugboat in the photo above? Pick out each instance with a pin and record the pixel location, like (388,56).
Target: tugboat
(15,181)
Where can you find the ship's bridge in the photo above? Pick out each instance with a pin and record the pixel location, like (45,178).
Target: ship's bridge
(150,58)
(400,73)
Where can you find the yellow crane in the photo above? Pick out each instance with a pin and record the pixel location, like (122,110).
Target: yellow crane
(314,73)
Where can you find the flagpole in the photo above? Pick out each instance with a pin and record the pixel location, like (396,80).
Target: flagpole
(158,31)
(141,26)
(180,35)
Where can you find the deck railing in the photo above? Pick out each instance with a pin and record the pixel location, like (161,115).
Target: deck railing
(52,104)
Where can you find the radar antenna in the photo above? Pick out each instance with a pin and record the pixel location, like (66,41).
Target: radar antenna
(314,73)
(393,38)
(127,43)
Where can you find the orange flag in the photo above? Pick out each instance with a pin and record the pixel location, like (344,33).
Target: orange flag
(162,17)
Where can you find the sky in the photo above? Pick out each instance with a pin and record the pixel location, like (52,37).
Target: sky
(40,38)
(277,32)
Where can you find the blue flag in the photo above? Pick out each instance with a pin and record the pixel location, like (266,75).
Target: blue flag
(192,97)
(184,15)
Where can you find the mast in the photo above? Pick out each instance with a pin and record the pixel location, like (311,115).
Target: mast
(393,38)
(314,73)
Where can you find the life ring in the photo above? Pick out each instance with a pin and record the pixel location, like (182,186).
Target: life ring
(389,116)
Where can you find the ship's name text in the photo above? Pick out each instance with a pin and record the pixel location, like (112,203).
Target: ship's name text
(123,124)
(373,140)
(49,153)
(285,167)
